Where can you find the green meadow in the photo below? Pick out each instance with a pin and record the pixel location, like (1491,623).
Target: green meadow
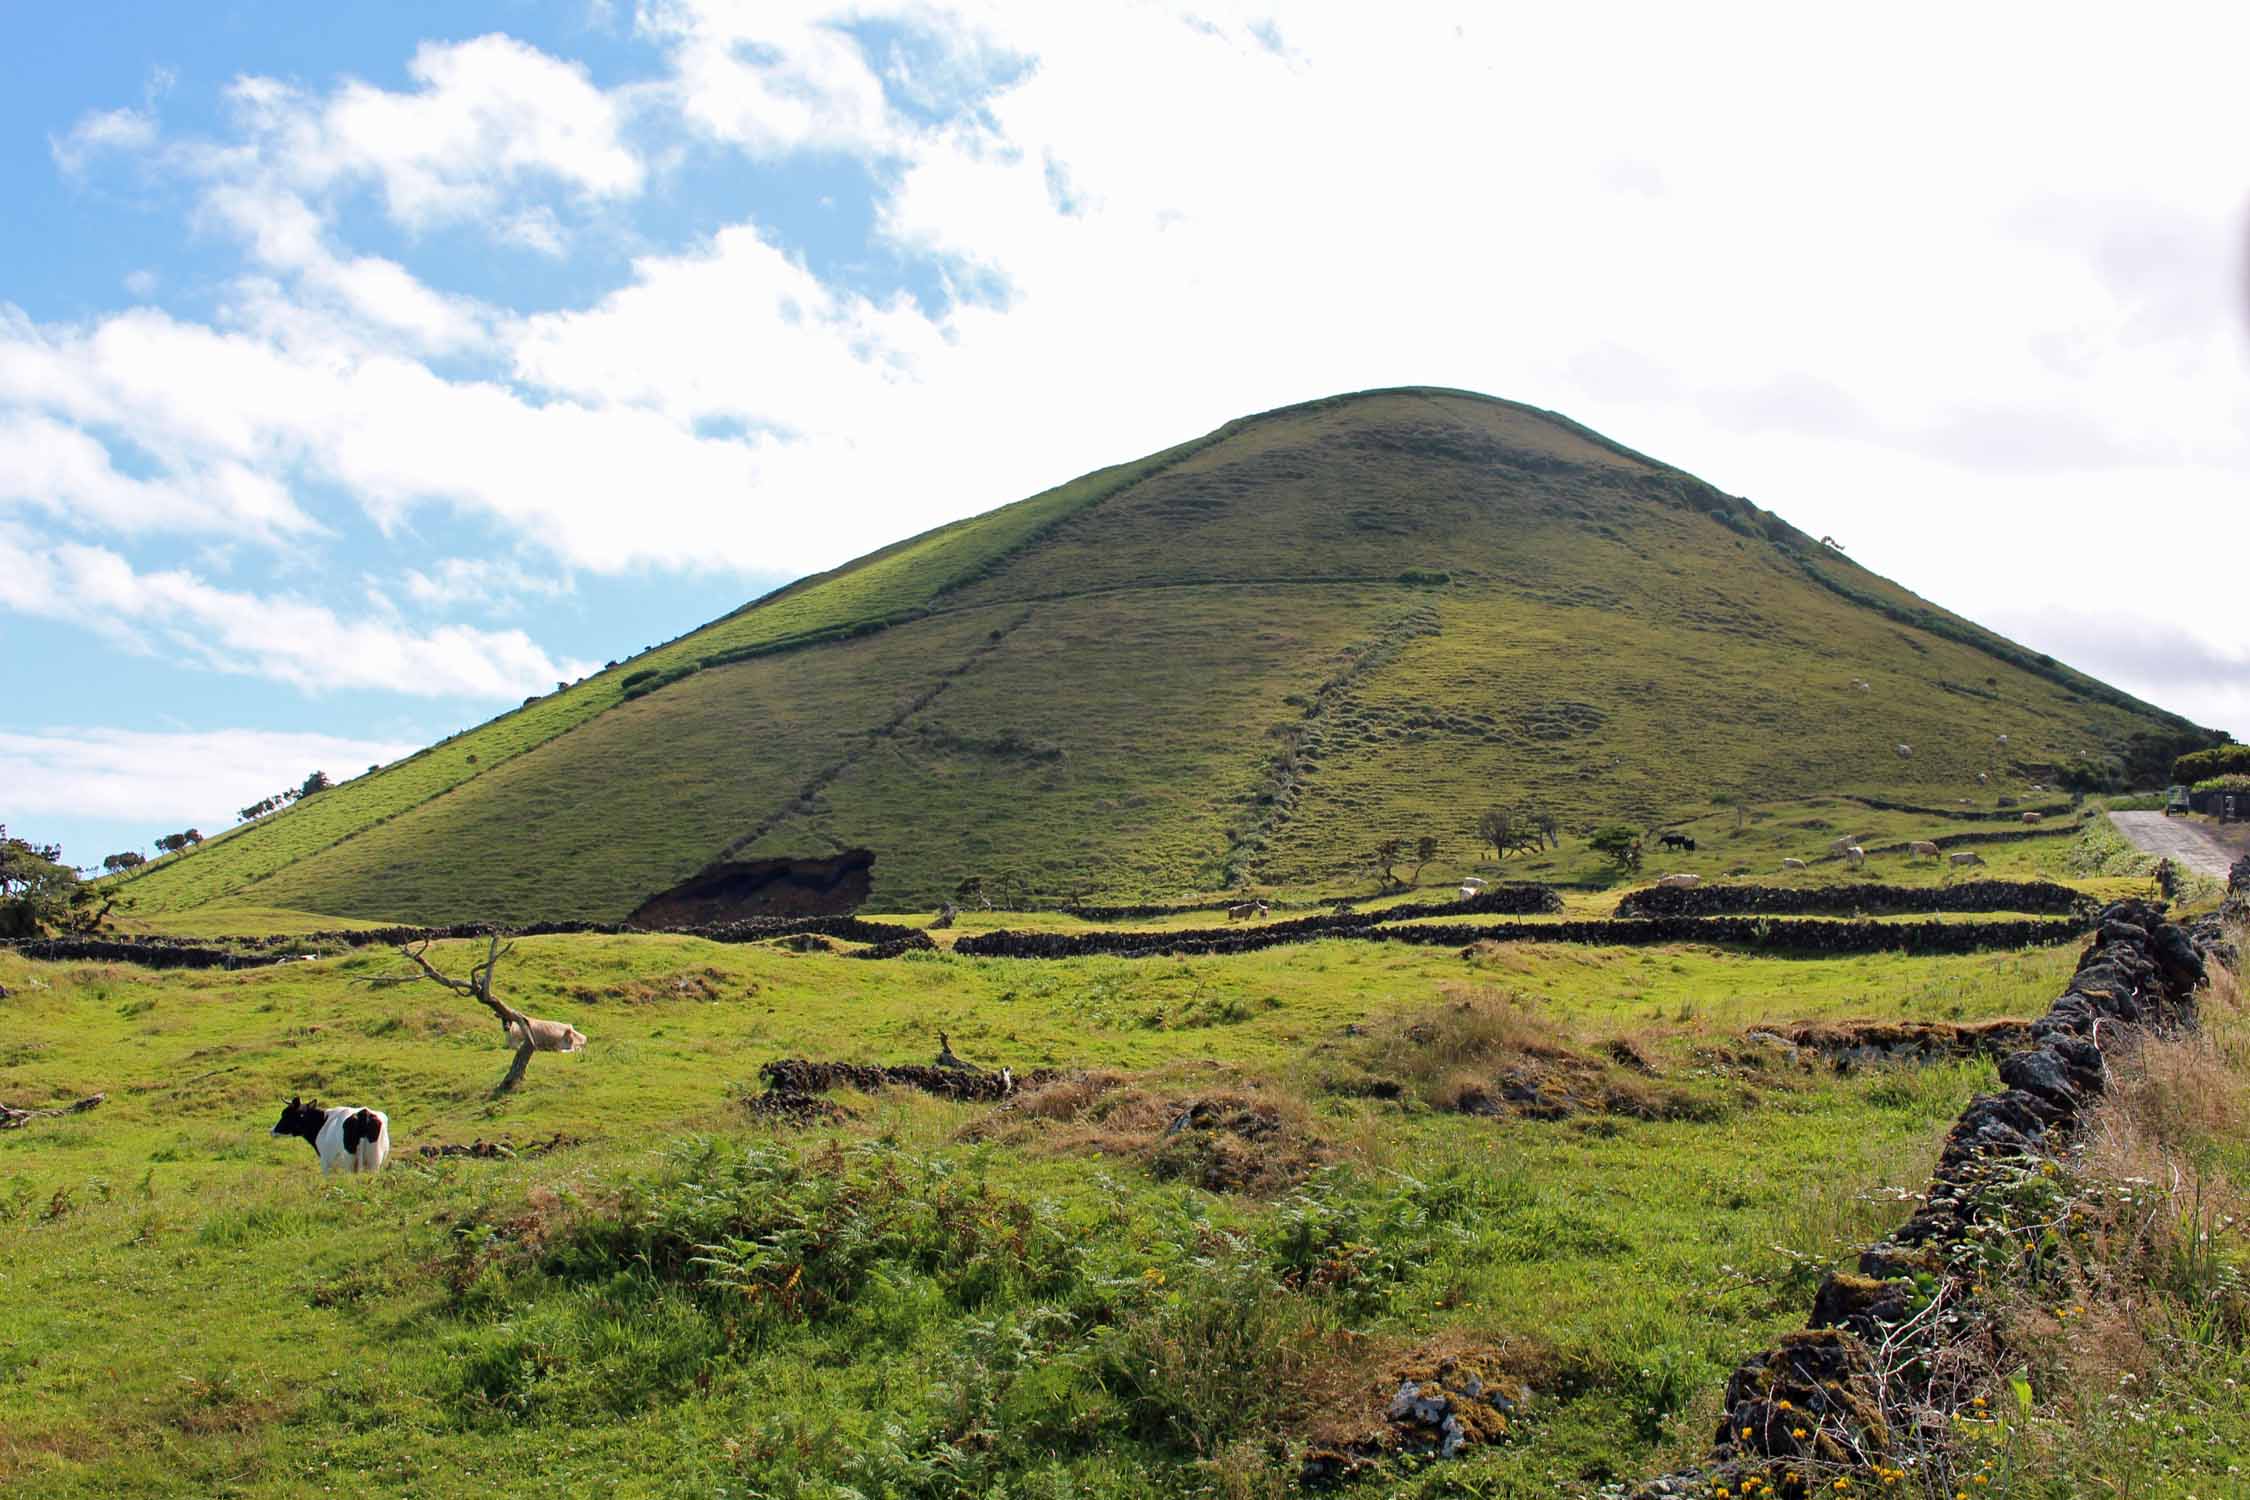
(1044,1296)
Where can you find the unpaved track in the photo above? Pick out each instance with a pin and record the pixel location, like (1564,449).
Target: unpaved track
(2177,838)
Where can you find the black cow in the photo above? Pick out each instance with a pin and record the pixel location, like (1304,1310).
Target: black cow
(1677,841)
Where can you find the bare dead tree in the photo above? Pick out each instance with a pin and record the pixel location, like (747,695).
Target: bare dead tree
(529,1033)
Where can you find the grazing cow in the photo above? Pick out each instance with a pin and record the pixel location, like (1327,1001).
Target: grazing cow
(358,1140)
(1473,886)
(1855,856)
(2031,817)
(1247,910)
(1905,752)
(1680,882)
(1794,864)
(1677,841)
(546,1036)
(1922,849)
(1967,857)
(1838,846)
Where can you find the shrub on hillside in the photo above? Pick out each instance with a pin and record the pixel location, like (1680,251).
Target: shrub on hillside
(640,686)
(2219,760)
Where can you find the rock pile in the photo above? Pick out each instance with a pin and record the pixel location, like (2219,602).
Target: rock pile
(798,1075)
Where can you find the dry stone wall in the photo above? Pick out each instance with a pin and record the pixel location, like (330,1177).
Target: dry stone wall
(1862,1387)
(2039,896)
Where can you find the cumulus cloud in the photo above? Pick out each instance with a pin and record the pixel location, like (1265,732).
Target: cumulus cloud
(1967,336)
(775,78)
(170,779)
(287,639)
(486,115)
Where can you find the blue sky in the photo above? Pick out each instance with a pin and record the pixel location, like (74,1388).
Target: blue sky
(364,369)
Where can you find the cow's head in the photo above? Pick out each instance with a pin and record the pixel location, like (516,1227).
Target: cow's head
(300,1118)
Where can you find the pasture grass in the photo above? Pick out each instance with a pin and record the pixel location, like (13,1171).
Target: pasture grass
(929,1298)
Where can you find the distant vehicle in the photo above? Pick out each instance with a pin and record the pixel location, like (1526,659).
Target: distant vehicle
(2175,800)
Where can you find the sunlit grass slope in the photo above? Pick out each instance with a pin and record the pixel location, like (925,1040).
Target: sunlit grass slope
(1245,659)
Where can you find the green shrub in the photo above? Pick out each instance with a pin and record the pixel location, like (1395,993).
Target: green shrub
(2219,760)
(2233,781)
(650,680)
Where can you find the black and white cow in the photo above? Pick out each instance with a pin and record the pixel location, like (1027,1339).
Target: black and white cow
(357,1140)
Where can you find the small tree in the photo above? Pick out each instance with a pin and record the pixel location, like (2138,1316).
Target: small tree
(130,859)
(970,892)
(1387,854)
(1620,844)
(317,782)
(528,1032)
(1425,850)
(1496,826)
(38,891)
(1550,830)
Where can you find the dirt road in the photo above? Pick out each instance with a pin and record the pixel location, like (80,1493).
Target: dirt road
(2183,841)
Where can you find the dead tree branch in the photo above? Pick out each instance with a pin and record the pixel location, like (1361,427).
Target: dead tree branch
(12,1118)
(514,1024)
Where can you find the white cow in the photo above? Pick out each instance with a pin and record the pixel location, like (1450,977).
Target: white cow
(1793,864)
(1922,849)
(1982,779)
(1680,882)
(1966,858)
(1855,856)
(1838,846)
(1905,752)
(357,1140)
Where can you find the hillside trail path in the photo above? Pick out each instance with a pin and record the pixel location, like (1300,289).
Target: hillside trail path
(2177,839)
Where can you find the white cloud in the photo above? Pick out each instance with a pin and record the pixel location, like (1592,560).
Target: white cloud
(170,779)
(774,78)
(479,583)
(488,116)
(293,395)
(1916,296)
(286,639)
(63,471)
(102,131)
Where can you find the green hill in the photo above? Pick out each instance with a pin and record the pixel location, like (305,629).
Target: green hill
(1243,659)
